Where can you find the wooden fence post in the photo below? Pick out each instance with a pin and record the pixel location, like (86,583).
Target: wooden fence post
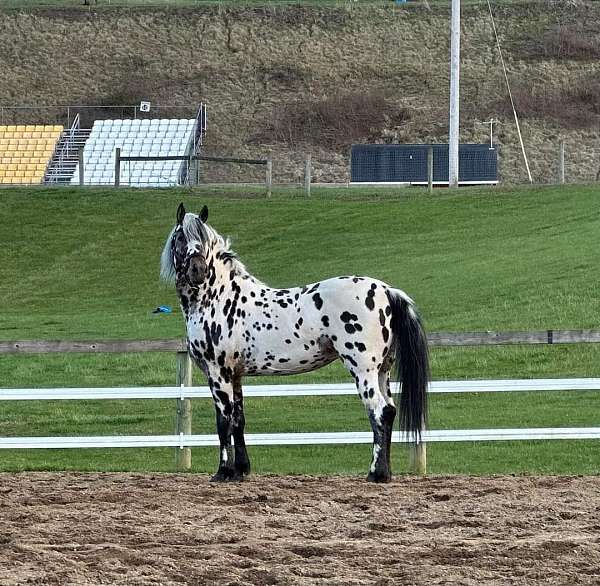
(269,177)
(117,167)
(81,166)
(307,173)
(183,424)
(430,169)
(561,162)
(417,458)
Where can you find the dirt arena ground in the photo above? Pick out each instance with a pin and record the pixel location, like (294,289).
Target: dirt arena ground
(93,529)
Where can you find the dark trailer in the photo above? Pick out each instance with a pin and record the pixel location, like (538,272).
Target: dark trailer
(407,163)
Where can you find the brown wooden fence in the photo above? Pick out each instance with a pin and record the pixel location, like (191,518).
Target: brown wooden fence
(434,338)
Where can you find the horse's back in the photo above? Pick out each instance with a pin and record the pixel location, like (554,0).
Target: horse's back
(355,311)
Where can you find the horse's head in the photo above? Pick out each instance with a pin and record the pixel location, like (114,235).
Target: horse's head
(184,256)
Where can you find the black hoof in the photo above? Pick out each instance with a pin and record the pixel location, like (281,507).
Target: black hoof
(226,475)
(379,477)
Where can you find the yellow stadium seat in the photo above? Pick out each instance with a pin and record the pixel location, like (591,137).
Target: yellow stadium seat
(31,167)
(27,134)
(12,167)
(9,173)
(11,128)
(29,128)
(2,172)
(41,167)
(58,128)
(8,134)
(16,180)
(3,141)
(39,128)
(20,128)
(19,174)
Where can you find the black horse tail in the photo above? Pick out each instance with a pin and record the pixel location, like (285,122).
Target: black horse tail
(412,363)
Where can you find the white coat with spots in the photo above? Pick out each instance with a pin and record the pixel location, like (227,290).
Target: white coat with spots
(237,325)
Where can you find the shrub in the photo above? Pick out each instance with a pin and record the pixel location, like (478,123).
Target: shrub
(571,42)
(335,121)
(575,106)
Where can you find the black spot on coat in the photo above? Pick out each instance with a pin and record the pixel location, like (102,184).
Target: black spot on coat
(317,301)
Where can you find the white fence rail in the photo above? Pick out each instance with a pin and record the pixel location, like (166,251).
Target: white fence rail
(296,390)
(298,439)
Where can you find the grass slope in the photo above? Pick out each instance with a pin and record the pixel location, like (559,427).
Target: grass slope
(82,264)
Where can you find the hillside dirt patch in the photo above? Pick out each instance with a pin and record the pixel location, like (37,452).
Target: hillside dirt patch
(285,82)
(129,529)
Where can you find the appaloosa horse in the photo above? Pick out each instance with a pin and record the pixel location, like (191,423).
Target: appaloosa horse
(238,326)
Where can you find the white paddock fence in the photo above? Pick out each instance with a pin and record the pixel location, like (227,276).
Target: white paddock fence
(188,440)
(183,440)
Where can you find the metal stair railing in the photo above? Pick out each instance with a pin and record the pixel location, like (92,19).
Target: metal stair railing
(64,161)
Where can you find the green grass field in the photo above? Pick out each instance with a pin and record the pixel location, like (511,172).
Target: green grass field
(83,264)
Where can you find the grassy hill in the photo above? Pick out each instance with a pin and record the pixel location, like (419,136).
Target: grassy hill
(83,264)
(288,79)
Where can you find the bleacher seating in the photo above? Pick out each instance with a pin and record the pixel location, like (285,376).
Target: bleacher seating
(148,137)
(25,152)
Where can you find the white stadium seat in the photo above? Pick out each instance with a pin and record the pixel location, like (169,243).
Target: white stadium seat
(141,137)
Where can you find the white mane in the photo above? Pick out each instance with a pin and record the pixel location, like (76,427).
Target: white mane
(206,236)
(167,263)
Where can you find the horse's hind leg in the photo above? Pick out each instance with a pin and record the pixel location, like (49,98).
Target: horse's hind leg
(242,462)
(386,392)
(381,416)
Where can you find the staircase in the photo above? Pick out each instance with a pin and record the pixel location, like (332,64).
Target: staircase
(66,155)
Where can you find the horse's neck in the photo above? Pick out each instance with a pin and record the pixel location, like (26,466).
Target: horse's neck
(228,274)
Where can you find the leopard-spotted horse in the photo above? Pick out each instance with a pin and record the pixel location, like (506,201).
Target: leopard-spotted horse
(237,325)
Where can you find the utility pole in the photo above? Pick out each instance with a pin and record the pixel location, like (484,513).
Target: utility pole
(454,95)
(491,122)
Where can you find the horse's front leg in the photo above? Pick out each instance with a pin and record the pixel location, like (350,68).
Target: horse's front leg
(242,462)
(223,397)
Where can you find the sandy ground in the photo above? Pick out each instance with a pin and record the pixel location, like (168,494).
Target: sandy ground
(94,529)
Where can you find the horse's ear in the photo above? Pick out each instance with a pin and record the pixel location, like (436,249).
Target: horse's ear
(204,214)
(180,213)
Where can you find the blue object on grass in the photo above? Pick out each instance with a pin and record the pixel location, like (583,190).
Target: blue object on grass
(162,309)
